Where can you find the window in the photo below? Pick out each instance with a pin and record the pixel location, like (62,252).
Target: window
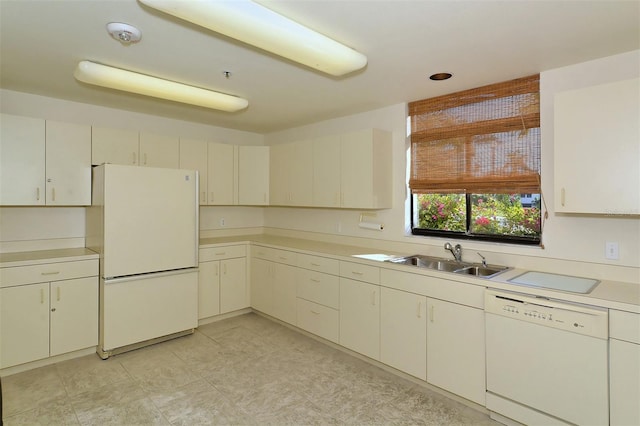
(475,163)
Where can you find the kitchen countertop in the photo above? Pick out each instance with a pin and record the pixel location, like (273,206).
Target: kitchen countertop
(608,294)
(9,260)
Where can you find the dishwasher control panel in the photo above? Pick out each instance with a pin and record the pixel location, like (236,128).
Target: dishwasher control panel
(587,320)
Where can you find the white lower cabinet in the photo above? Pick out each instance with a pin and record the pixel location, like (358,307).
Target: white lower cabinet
(360,317)
(403,331)
(43,319)
(273,283)
(284,293)
(222,280)
(318,296)
(233,285)
(261,285)
(624,368)
(24,324)
(455,349)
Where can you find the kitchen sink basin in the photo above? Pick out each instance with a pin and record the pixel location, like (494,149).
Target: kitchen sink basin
(438,264)
(481,271)
(428,262)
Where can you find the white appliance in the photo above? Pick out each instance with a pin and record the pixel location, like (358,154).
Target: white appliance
(143,222)
(547,361)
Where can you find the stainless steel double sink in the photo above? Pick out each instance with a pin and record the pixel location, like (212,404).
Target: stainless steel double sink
(438,264)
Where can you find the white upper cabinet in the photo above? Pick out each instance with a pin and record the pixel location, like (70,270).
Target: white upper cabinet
(253,175)
(291,178)
(365,169)
(114,146)
(68,164)
(22,160)
(159,151)
(222,174)
(597,149)
(326,171)
(44,164)
(129,147)
(193,156)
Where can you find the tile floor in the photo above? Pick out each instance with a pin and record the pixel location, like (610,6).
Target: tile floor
(245,370)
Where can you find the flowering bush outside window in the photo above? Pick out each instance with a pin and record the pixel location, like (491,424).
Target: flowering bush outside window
(514,216)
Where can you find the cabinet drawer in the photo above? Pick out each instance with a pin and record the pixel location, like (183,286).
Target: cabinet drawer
(320,264)
(318,319)
(223,252)
(274,255)
(438,288)
(356,271)
(624,326)
(318,287)
(20,275)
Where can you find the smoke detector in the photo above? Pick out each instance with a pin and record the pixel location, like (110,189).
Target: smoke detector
(124,33)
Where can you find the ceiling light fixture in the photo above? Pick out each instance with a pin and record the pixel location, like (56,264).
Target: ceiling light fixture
(129,81)
(124,33)
(258,26)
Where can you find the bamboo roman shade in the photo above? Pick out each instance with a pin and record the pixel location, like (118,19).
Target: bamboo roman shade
(484,140)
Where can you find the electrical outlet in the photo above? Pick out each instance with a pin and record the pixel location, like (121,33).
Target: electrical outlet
(611,250)
(222,223)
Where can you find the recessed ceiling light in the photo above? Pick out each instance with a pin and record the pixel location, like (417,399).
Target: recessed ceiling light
(440,76)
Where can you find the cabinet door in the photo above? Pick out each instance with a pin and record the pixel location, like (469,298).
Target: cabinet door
(159,151)
(114,146)
(262,285)
(74,315)
(624,358)
(68,164)
(403,331)
(301,174)
(279,168)
(356,170)
(326,171)
(24,324)
(596,149)
(284,293)
(360,317)
(253,175)
(223,182)
(366,172)
(455,349)
(208,289)
(22,161)
(193,156)
(233,285)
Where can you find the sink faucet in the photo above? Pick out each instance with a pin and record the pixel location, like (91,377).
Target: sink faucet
(455,251)
(484,260)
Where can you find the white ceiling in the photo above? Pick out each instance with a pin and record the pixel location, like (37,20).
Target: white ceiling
(480,42)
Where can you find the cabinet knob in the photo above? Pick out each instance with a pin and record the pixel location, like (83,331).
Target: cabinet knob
(53,309)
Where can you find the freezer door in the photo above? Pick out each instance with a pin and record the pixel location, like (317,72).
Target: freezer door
(136,309)
(150,220)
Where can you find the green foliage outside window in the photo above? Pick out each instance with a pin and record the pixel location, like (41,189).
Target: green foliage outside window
(491,214)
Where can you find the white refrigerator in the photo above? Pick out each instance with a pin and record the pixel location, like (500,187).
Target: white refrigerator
(143,222)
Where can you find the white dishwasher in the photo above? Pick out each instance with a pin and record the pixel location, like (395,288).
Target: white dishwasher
(547,361)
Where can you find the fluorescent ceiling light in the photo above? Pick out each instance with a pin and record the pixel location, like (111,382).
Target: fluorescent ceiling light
(258,26)
(129,81)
